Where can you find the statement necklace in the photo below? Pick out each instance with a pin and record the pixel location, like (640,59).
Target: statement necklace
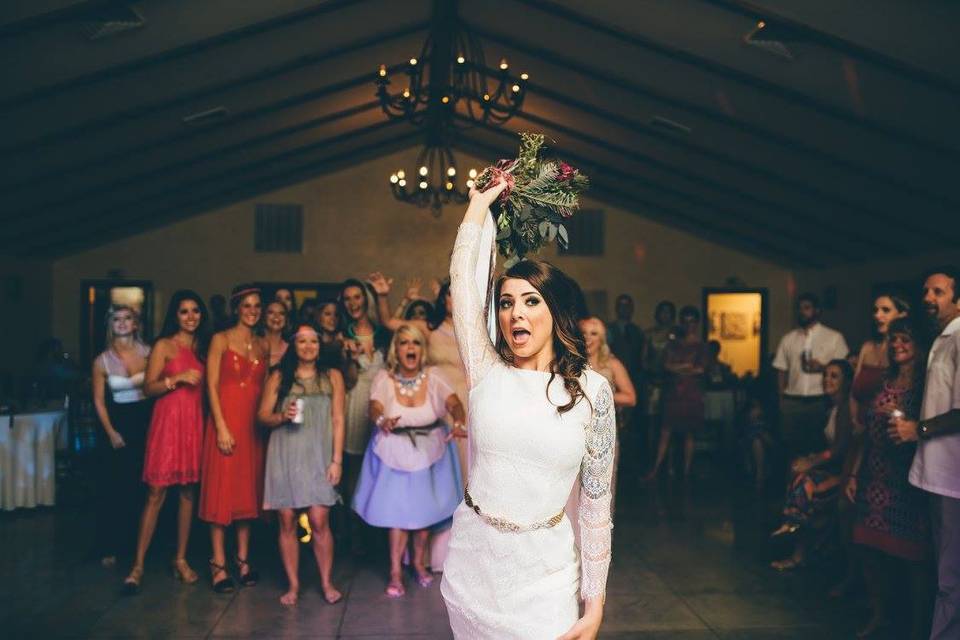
(409,386)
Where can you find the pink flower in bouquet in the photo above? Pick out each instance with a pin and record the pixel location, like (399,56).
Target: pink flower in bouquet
(565,172)
(501,171)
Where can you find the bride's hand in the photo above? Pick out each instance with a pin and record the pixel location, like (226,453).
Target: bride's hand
(587,627)
(481,201)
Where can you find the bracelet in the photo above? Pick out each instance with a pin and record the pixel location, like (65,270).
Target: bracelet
(168,384)
(380,419)
(336,462)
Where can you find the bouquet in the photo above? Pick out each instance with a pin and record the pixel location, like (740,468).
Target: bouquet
(540,195)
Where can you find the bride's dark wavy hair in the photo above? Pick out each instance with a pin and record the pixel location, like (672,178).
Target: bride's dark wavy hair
(563,297)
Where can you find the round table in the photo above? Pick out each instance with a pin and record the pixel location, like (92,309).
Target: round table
(28,458)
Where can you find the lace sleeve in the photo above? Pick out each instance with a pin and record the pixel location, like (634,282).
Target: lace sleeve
(593,515)
(469,324)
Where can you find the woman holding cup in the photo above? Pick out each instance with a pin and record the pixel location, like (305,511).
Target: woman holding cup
(303,405)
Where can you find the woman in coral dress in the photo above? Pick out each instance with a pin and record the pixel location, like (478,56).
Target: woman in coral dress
(174,439)
(233,450)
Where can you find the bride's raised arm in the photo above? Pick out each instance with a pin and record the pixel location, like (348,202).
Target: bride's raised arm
(596,476)
(469,324)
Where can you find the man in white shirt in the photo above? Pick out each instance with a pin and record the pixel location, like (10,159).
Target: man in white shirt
(801,357)
(936,465)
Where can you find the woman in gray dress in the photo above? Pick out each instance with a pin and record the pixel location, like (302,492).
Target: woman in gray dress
(303,405)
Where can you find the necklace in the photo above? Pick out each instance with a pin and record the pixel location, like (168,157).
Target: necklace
(409,386)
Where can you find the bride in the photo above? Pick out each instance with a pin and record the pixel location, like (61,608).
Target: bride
(539,421)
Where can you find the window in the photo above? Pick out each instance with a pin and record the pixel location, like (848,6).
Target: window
(278,228)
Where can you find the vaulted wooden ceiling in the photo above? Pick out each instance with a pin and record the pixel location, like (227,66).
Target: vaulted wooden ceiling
(846,153)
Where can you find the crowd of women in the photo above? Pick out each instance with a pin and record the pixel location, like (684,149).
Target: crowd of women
(293,411)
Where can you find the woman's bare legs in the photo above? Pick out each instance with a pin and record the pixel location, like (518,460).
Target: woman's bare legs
(322,543)
(289,554)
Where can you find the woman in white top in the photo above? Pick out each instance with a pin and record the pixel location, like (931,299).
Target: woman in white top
(124,414)
(540,420)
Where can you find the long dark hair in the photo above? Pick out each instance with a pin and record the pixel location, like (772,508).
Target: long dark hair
(328,358)
(907,327)
(439,311)
(900,302)
(170,327)
(381,335)
(561,294)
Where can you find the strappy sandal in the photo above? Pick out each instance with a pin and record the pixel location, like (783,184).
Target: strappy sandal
(131,584)
(221,586)
(248,579)
(183,572)
(423,579)
(395,590)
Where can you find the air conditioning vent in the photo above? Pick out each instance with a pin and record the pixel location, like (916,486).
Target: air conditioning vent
(586,231)
(113,20)
(672,126)
(203,118)
(278,228)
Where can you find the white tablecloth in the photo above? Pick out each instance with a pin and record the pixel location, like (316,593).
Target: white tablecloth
(28,459)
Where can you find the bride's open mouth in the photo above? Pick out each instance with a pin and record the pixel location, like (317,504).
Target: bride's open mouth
(520,336)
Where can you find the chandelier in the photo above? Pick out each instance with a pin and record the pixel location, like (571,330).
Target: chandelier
(448,79)
(435,182)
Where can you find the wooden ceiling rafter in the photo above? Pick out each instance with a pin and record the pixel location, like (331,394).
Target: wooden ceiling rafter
(17,234)
(889,63)
(172,213)
(790,145)
(112,119)
(849,118)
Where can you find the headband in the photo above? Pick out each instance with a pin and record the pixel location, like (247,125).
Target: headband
(245,292)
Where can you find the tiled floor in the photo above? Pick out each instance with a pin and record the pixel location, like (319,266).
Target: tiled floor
(689,564)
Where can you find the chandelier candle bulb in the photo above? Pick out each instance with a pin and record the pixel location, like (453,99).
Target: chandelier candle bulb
(413,62)
(461,60)
(401,175)
(402,183)
(423,171)
(451,171)
(383,70)
(503,64)
(394,179)
(423,185)
(524,76)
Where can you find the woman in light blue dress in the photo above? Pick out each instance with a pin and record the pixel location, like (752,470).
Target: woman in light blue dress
(303,404)
(410,478)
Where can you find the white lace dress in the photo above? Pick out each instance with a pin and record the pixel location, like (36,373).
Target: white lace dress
(526,458)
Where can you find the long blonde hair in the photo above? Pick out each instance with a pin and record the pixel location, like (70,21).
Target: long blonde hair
(411,330)
(603,353)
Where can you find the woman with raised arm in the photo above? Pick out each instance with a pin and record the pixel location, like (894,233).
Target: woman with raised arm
(231,490)
(540,419)
(174,377)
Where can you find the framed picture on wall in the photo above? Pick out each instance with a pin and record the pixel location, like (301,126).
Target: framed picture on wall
(737,319)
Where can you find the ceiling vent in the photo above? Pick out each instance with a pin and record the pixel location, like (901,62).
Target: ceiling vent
(670,126)
(771,38)
(113,20)
(203,118)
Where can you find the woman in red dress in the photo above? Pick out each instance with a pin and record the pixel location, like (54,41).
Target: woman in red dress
(175,437)
(231,490)
(684,360)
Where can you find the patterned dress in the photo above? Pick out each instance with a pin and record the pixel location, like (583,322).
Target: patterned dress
(891,513)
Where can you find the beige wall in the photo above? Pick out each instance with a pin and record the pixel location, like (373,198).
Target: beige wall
(353,225)
(25,320)
(854,285)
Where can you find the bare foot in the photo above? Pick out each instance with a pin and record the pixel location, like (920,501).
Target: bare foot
(331,594)
(289,599)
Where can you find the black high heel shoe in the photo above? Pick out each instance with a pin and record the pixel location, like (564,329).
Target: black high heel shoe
(251,577)
(225,585)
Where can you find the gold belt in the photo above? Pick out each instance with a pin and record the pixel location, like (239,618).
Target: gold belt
(502,525)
